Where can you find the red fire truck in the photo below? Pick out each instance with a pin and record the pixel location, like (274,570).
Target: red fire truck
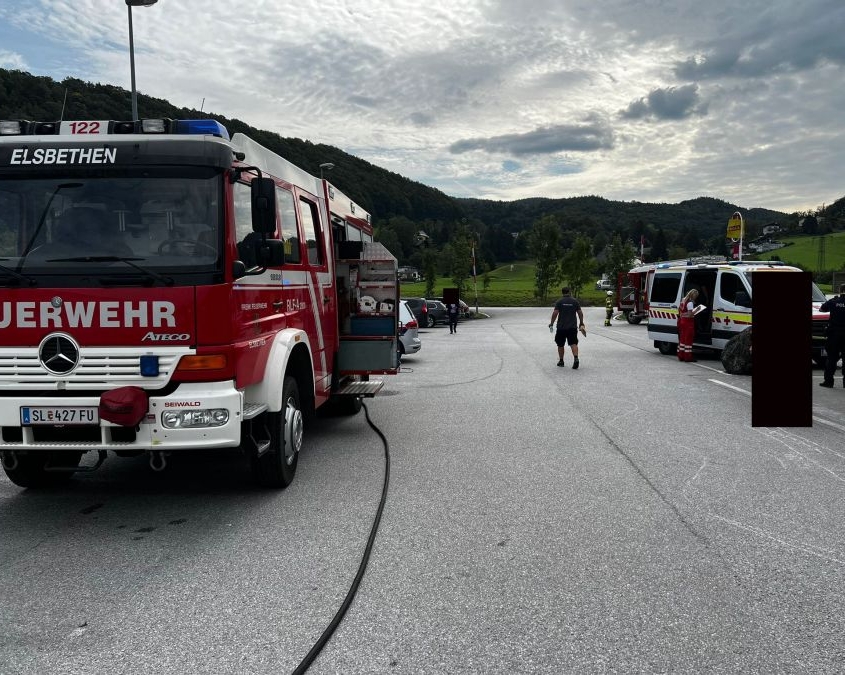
(632,292)
(164,287)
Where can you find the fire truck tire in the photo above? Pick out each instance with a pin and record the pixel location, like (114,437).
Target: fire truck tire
(31,471)
(667,348)
(350,405)
(277,467)
(633,318)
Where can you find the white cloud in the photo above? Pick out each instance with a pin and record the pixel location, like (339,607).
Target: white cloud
(11,60)
(629,99)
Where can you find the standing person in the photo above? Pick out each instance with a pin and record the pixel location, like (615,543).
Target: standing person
(608,308)
(686,326)
(567,329)
(835,345)
(453,311)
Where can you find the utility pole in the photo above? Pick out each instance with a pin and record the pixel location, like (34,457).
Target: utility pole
(474,277)
(821,262)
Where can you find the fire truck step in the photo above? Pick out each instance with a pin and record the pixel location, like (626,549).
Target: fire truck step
(253,410)
(368,389)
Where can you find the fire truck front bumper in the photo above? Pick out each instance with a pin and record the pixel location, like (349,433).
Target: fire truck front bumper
(194,416)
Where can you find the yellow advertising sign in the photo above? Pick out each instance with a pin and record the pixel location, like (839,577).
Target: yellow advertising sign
(735,226)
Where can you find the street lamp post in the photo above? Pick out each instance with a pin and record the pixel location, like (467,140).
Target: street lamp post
(129,5)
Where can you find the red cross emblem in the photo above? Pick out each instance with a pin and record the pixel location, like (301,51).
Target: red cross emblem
(727,320)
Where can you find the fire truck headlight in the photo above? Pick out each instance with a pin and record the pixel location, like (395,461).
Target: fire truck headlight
(11,128)
(194,419)
(153,126)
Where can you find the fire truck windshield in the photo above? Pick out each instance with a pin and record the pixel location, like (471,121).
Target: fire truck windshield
(162,219)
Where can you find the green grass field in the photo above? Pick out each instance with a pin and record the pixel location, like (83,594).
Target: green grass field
(804,251)
(513,285)
(510,286)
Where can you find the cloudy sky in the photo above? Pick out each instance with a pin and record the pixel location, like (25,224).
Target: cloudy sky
(647,100)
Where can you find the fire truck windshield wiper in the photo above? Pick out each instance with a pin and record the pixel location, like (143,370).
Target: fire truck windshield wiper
(16,275)
(167,281)
(43,218)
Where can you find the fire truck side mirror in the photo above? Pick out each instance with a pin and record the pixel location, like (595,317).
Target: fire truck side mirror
(270,253)
(263,205)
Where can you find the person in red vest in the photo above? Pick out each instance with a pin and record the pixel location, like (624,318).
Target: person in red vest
(686,326)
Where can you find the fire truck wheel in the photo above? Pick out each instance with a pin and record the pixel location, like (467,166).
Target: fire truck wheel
(276,467)
(667,348)
(633,318)
(350,405)
(31,471)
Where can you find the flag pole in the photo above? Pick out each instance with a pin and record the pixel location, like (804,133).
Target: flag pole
(474,279)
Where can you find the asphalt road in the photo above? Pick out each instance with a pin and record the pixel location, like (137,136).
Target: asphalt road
(624,517)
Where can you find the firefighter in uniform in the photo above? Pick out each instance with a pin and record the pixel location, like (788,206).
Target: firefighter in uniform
(835,345)
(608,306)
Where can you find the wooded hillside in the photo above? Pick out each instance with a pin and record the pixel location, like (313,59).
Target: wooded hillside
(401,207)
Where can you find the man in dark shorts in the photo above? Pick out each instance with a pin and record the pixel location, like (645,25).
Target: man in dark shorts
(567,328)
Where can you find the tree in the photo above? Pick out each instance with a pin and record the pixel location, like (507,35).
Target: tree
(637,231)
(405,231)
(620,257)
(658,246)
(599,243)
(578,265)
(390,241)
(810,224)
(544,246)
(429,270)
(461,268)
(691,241)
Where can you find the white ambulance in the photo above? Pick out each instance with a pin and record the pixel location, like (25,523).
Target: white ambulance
(725,290)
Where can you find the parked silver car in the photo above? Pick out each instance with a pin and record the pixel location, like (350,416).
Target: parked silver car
(409,339)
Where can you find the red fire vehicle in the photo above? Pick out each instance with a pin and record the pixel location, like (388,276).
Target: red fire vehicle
(164,287)
(632,286)
(632,292)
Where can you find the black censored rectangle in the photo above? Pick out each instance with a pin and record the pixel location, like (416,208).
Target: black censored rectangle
(781,344)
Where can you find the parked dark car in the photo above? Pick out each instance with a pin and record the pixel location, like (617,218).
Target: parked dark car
(420,309)
(437,313)
(465,310)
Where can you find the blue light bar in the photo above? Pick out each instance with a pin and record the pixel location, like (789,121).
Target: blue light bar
(200,127)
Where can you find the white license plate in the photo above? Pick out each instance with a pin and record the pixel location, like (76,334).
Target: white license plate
(31,415)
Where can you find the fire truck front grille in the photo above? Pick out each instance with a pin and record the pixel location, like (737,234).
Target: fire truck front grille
(21,369)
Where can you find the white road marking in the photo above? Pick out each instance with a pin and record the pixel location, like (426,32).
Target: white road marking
(730,386)
(748,393)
